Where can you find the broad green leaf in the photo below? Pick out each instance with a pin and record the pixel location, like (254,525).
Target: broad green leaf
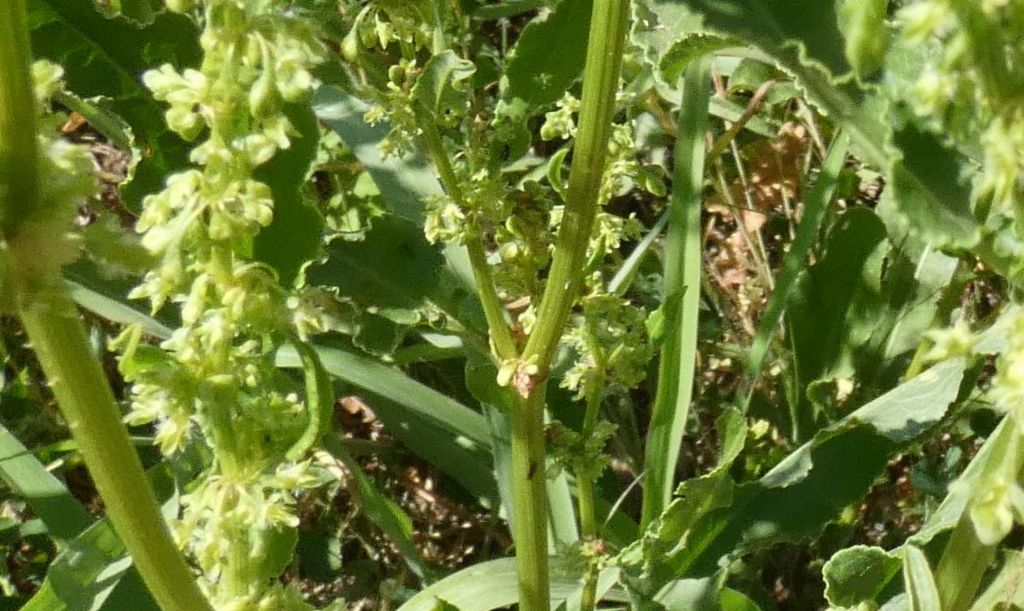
(832,310)
(798,497)
(549,54)
(858,574)
(493,584)
(49,499)
(926,188)
(293,236)
(919,582)
(106,58)
(395,273)
(404,183)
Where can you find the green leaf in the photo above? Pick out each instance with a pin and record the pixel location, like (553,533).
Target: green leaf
(808,28)
(394,272)
(858,574)
(919,582)
(799,496)
(926,188)
(833,309)
(404,183)
(493,584)
(682,295)
(293,236)
(49,499)
(106,57)
(442,75)
(549,54)
(385,513)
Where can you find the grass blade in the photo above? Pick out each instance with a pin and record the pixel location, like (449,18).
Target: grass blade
(682,294)
(49,499)
(815,205)
(387,515)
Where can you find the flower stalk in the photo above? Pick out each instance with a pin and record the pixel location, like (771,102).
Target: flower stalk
(31,244)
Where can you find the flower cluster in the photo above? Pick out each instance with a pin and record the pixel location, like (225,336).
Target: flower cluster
(213,382)
(972,86)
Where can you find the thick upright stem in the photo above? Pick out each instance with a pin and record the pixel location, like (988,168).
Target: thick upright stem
(59,340)
(608,27)
(58,337)
(529,499)
(18,165)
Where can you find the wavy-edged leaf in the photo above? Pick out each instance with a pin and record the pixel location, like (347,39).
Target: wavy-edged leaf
(858,574)
(106,57)
(799,496)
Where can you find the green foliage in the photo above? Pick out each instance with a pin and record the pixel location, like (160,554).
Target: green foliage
(687,238)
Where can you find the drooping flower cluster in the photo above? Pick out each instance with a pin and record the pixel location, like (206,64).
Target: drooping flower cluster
(214,382)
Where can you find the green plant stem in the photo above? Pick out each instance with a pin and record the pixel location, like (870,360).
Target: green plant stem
(501,336)
(529,500)
(609,24)
(682,295)
(608,27)
(59,339)
(585,481)
(19,166)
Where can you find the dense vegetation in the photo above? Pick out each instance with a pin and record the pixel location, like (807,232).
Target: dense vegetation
(452,304)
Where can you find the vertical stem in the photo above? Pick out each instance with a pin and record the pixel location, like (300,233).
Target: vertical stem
(18,164)
(682,295)
(529,499)
(59,339)
(608,27)
(586,479)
